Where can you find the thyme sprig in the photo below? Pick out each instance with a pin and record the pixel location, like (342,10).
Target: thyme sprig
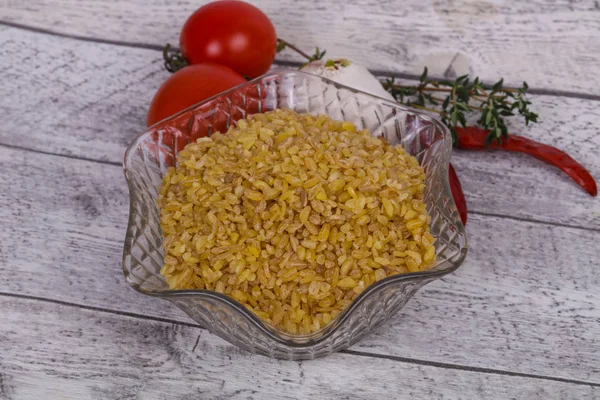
(463,96)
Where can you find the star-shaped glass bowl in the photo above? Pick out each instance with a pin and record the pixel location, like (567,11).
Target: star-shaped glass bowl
(151,153)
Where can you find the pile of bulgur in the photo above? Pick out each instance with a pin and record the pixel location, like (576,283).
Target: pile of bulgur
(293,216)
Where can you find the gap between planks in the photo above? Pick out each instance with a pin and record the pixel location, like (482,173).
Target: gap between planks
(349,352)
(473,212)
(399,75)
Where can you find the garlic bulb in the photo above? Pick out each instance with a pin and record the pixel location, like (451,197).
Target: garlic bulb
(347,73)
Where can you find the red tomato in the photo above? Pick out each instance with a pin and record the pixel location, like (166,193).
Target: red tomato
(189,86)
(231,33)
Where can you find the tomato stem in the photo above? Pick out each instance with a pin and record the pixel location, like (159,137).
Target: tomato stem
(282,44)
(174,60)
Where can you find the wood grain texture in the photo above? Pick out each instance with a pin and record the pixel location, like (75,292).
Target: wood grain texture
(75,98)
(89,100)
(66,353)
(525,300)
(550,44)
(519,319)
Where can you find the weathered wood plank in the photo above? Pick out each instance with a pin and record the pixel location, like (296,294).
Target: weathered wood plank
(55,351)
(89,100)
(72,97)
(550,44)
(525,300)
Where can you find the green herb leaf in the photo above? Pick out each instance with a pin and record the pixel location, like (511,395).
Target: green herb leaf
(280,46)
(498,85)
(445,103)
(463,106)
(423,76)
(318,55)
(462,120)
(463,94)
(462,79)
(431,99)
(454,134)
(488,117)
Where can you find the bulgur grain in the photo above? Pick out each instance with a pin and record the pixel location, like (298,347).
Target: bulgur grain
(293,216)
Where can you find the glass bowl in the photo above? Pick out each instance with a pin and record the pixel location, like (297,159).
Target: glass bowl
(151,153)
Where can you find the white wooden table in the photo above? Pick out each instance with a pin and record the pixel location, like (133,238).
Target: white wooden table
(520,319)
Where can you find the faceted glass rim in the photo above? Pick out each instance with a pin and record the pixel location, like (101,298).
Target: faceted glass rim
(304,340)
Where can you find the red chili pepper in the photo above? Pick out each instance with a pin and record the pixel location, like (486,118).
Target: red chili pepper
(473,138)
(457,194)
